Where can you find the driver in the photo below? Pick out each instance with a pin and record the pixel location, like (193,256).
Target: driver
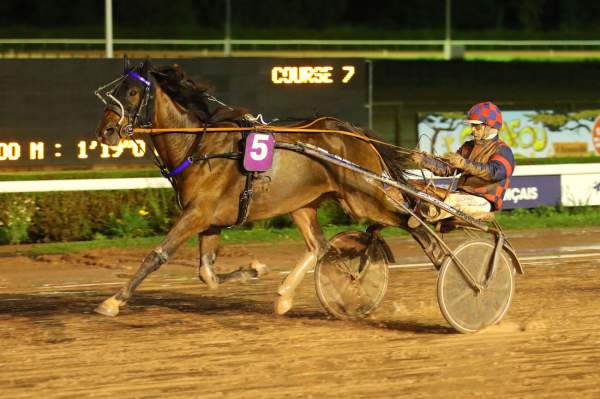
(486,164)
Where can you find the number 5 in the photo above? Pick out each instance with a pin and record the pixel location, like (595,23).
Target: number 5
(258,149)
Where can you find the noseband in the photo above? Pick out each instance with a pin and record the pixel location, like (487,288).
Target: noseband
(140,116)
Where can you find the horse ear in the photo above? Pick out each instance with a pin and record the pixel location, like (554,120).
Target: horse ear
(145,67)
(126,65)
(159,75)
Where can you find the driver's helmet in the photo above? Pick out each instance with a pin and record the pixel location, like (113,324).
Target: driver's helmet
(487,113)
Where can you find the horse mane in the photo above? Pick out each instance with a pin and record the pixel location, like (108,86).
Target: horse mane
(194,96)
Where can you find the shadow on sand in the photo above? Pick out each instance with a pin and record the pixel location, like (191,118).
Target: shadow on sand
(40,306)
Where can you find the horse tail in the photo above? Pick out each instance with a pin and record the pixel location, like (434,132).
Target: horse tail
(395,161)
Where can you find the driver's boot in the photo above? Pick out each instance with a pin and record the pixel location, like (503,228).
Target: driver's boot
(430,246)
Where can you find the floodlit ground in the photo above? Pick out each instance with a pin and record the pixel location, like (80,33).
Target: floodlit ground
(177,339)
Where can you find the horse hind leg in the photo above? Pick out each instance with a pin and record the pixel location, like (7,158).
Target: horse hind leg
(306,220)
(430,247)
(255,269)
(208,243)
(359,209)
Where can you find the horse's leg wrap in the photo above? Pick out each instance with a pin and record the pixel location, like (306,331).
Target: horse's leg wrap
(285,298)
(207,275)
(243,274)
(151,263)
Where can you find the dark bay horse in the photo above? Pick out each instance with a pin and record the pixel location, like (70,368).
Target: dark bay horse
(209,190)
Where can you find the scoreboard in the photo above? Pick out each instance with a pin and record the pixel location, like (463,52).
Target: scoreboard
(49,112)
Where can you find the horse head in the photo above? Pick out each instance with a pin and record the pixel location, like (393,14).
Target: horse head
(128,102)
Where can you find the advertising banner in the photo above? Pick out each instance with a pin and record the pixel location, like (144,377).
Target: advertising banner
(532,191)
(580,190)
(530,134)
(527,191)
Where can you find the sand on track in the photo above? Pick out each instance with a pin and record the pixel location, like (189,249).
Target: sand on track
(177,339)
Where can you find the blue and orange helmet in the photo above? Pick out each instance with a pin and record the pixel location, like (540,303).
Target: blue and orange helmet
(487,113)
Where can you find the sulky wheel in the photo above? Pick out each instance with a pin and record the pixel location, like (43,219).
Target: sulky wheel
(465,309)
(351,278)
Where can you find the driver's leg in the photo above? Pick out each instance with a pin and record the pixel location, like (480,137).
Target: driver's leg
(467,203)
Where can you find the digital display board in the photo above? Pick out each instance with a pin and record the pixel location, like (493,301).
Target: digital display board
(49,112)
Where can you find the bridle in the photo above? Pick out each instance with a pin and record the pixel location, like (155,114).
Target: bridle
(137,117)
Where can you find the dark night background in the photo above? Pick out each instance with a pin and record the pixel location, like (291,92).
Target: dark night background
(325,19)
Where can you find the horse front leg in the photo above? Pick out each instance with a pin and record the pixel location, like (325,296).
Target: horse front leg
(188,223)
(306,220)
(208,243)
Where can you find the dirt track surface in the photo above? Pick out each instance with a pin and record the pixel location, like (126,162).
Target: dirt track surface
(177,339)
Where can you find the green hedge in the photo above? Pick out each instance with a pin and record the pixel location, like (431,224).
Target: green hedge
(69,216)
(79,216)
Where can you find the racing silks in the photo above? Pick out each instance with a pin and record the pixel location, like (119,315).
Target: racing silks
(486,172)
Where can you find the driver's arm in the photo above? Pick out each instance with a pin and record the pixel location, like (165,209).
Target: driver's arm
(426,161)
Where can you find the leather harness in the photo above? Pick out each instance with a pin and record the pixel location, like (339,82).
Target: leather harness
(194,156)
(140,122)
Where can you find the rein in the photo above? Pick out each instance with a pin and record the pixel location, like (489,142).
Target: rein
(269,128)
(190,159)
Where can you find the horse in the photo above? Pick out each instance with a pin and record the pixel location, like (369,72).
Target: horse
(208,189)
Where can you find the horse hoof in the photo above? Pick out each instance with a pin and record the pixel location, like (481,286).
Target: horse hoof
(260,268)
(110,307)
(208,277)
(283,304)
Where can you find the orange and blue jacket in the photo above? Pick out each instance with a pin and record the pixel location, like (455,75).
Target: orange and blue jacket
(488,167)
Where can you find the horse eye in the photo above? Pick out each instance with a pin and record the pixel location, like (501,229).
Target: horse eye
(133,92)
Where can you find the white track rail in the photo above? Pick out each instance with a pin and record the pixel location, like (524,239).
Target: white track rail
(38,186)
(30,186)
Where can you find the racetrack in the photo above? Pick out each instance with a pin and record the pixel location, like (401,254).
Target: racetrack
(177,339)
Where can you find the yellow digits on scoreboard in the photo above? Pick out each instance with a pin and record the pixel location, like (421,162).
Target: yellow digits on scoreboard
(350,70)
(309,74)
(137,151)
(10,151)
